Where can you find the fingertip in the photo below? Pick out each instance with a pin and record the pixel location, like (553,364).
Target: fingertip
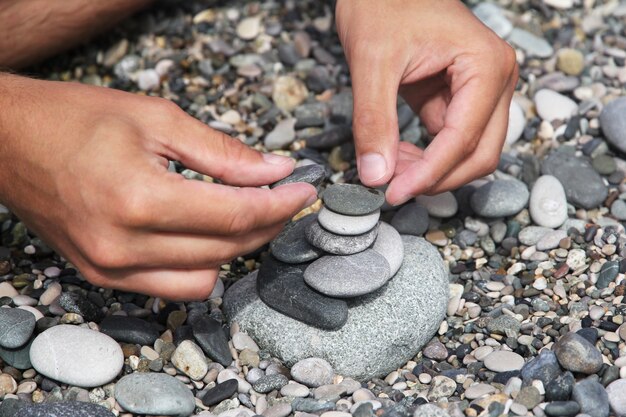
(374,169)
(278,160)
(397,195)
(306,190)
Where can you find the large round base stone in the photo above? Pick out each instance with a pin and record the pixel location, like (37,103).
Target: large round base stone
(384,330)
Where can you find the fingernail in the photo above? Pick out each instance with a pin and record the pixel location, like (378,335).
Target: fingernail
(272,158)
(372,167)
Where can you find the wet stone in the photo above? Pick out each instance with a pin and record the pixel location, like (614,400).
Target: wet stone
(352,199)
(312,174)
(338,244)
(291,246)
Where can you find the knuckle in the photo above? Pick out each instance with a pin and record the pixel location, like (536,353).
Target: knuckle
(134,208)
(165,107)
(239,222)
(106,254)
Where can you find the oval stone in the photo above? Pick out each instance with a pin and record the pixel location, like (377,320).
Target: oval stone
(440,205)
(313,174)
(389,244)
(352,199)
(500,198)
(548,203)
(348,276)
(344,225)
(76,356)
(16,327)
(338,244)
(504,361)
(154,394)
(291,246)
(554,106)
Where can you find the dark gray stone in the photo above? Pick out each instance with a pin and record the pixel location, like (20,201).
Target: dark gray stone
(576,354)
(291,245)
(383,329)
(269,383)
(281,286)
(560,388)
(330,138)
(608,273)
(338,244)
(64,409)
(313,174)
(211,338)
(154,394)
(129,330)
(352,199)
(500,198)
(562,408)
(613,123)
(411,219)
(504,325)
(16,327)
(583,185)
(592,397)
(220,392)
(18,358)
(10,406)
(348,276)
(544,367)
(73,302)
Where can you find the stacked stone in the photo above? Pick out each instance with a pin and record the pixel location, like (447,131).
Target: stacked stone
(321,261)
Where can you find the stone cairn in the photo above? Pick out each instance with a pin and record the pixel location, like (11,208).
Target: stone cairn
(322,260)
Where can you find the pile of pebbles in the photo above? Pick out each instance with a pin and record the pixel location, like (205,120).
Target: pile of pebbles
(533,253)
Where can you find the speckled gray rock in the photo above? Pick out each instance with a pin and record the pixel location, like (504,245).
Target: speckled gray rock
(500,198)
(338,244)
(56,354)
(16,327)
(383,330)
(345,225)
(291,246)
(154,394)
(430,410)
(548,203)
(313,174)
(64,409)
(348,276)
(440,205)
(583,185)
(591,397)
(389,244)
(613,123)
(352,199)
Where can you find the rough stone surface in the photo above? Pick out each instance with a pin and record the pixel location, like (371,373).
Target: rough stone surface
(313,174)
(64,353)
(338,244)
(291,246)
(389,244)
(383,329)
(352,199)
(548,203)
(344,225)
(348,276)
(64,409)
(16,327)
(154,394)
(583,185)
(500,198)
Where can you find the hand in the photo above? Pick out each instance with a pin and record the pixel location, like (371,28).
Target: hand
(452,70)
(86,169)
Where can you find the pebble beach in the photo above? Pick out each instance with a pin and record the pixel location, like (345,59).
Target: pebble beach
(507,298)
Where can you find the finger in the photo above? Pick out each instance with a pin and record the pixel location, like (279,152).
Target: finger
(220,156)
(429,99)
(375,124)
(181,206)
(466,117)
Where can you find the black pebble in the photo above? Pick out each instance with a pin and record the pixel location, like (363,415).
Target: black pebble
(220,392)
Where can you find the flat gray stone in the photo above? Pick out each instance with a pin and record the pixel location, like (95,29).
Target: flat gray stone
(154,394)
(389,244)
(337,244)
(531,44)
(383,330)
(16,327)
(348,276)
(76,356)
(500,198)
(440,205)
(291,246)
(411,219)
(613,123)
(64,409)
(352,199)
(345,225)
(312,174)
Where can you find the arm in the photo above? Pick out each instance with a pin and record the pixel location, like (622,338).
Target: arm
(31,30)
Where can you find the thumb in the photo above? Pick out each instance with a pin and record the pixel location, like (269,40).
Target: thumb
(221,156)
(375,120)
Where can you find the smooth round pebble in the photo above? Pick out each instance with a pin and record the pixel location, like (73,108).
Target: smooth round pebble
(352,199)
(552,106)
(440,205)
(336,244)
(313,372)
(344,225)
(548,203)
(503,361)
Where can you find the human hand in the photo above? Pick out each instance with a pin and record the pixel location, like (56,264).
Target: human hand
(86,169)
(452,70)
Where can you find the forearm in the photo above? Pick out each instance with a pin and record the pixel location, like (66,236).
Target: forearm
(31,30)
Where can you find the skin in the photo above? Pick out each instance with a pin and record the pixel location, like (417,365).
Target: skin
(87,171)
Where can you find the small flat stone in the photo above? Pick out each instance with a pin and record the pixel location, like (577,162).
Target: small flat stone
(570,61)
(608,273)
(129,330)
(16,327)
(281,286)
(249,28)
(313,372)
(562,408)
(348,276)
(64,353)
(411,219)
(211,338)
(479,390)
(531,44)
(345,225)
(389,244)
(592,397)
(291,245)
(503,361)
(613,123)
(220,392)
(441,205)
(338,244)
(289,92)
(312,174)
(551,240)
(269,383)
(352,199)
(548,203)
(554,106)
(500,198)
(504,325)
(329,139)
(154,394)
(282,135)
(73,302)
(189,359)
(576,354)
(64,409)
